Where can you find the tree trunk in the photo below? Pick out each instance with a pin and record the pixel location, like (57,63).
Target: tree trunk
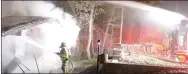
(90,33)
(92,49)
(106,31)
(111,37)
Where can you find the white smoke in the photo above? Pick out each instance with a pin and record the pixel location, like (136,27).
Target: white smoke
(44,9)
(30,8)
(52,34)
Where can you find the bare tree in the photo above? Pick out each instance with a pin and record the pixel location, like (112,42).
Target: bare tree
(85,12)
(107,28)
(88,13)
(90,32)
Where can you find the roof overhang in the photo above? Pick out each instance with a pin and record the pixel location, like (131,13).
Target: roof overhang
(14,24)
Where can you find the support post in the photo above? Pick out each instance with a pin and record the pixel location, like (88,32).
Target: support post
(98,44)
(120,37)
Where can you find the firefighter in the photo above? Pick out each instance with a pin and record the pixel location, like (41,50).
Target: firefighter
(63,55)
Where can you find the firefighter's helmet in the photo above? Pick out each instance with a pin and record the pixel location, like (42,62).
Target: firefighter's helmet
(62,45)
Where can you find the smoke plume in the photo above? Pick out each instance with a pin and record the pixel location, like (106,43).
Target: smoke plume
(51,37)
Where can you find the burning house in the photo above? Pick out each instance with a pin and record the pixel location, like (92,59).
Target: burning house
(31,38)
(140,43)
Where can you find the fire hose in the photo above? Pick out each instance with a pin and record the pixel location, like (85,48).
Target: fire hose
(66,59)
(71,65)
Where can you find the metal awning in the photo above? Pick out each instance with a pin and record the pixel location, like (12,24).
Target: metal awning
(14,24)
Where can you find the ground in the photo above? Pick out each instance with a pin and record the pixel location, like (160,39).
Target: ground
(83,65)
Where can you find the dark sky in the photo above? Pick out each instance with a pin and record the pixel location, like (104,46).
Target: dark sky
(176,6)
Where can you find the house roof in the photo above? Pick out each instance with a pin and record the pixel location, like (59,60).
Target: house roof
(13,24)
